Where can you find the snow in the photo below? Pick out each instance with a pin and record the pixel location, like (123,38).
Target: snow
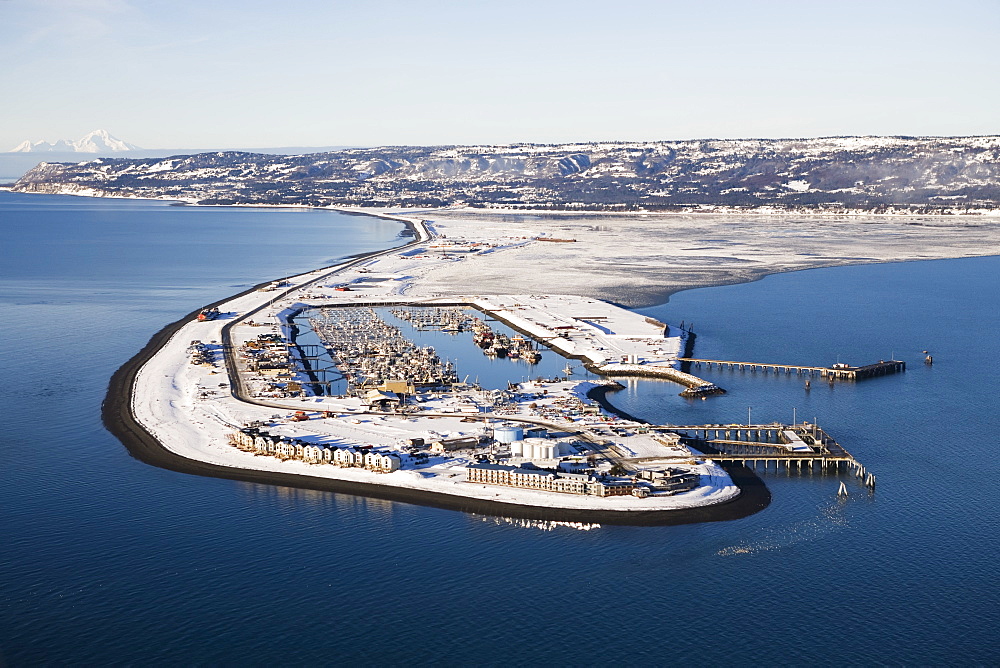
(640,259)
(190,410)
(98,141)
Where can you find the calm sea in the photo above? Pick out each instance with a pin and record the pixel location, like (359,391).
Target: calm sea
(105,560)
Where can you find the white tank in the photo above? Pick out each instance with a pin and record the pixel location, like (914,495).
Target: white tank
(538,448)
(508,434)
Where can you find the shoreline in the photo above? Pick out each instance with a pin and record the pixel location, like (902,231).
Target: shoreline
(987,214)
(658,296)
(347,208)
(120,419)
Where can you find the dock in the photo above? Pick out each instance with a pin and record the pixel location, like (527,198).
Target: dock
(802,446)
(835,372)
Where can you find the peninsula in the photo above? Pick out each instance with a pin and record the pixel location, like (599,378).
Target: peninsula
(232,391)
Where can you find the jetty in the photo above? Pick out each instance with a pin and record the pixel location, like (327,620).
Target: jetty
(803,446)
(838,371)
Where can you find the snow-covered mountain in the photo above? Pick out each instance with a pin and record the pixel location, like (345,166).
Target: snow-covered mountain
(98,141)
(827,175)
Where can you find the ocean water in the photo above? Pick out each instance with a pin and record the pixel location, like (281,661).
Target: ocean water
(105,560)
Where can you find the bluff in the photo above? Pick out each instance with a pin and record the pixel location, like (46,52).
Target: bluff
(829,175)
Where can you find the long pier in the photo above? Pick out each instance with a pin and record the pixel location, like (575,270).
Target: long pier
(804,446)
(836,372)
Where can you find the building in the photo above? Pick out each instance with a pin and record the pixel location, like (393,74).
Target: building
(261,443)
(444,445)
(549,481)
(381,463)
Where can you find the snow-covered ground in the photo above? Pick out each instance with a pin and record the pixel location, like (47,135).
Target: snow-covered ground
(189,408)
(640,259)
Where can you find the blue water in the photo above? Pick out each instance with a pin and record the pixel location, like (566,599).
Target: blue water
(104,559)
(471,363)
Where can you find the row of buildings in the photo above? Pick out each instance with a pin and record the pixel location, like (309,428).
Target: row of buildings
(251,439)
(642,484)
(267,355)
(549,481)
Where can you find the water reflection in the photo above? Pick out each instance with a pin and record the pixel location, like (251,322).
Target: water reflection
(295,498)
(830,518)
(541,525)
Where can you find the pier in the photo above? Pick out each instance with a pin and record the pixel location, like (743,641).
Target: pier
(835,372)
(801,446)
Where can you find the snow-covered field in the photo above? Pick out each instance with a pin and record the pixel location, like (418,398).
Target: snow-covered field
(640,259)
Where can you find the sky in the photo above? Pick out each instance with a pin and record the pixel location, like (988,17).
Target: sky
(240,74)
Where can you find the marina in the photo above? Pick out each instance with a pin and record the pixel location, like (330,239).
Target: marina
(336,353)
(388,375)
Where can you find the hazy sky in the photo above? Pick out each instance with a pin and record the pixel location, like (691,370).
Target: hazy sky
(213,73)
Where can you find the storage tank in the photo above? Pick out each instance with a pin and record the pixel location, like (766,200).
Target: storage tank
(538,448)
(517,449)
(508,434)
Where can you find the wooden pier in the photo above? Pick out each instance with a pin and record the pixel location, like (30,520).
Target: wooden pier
(760,445)
(835,372)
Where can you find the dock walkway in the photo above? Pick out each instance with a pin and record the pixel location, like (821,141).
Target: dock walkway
(760,444)
(836,372)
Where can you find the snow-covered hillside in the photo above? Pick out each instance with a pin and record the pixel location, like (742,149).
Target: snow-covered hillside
(835,174)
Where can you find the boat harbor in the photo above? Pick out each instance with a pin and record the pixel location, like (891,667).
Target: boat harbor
(393,375)
(343,374)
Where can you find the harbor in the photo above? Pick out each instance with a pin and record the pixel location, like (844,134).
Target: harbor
(804,447)
(348,374)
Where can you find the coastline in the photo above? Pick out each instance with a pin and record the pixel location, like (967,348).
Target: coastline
(119,419)
(670,270)
(118,413)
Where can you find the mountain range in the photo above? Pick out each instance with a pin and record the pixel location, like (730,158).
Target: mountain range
(98,141)
(827,175)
